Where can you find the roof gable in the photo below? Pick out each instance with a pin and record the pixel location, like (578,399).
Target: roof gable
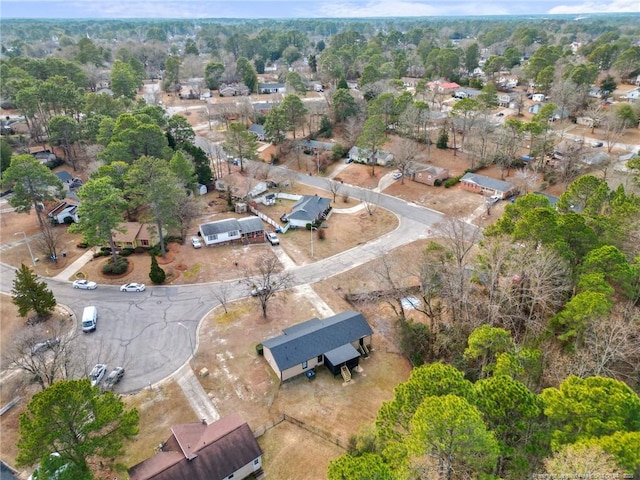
(317,337)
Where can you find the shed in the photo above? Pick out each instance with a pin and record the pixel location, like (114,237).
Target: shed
(336,341)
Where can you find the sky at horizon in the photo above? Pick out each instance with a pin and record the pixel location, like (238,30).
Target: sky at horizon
(114,9)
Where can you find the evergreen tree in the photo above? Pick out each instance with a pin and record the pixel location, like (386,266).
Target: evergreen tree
(31,295)
(156,274)
(443,140)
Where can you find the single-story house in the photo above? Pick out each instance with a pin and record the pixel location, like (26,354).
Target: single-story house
(487,185)
(233,90)
(335,342)
(272,88)
(443,87)
(245,230)
(315,146)
(264,107)
(226,449)
(135,234)
(62,211)
(379,157)
(427,174)
(308,209)
(632,95)
(466,93)
(258,131)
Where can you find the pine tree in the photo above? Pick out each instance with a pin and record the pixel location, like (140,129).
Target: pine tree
(31,295)
(443,140)
(156,274)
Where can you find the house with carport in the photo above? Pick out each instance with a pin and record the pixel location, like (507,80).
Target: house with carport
(225,449)
(244,230)
(308,209)
(336,342)
(487,185)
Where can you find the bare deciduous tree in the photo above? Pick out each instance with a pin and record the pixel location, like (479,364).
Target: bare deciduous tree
(222,293)
(45,352)
(370,201)
(49,239)
(404,154)
(266,279)
(334,187)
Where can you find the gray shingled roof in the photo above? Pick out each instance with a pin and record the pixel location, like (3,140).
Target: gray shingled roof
(317,337)
(309,208)
(256,129)
(487,182)
(251,225)
(316,144)
(243,225)
(221,226)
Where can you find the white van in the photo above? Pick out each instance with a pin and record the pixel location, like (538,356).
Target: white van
(89,319)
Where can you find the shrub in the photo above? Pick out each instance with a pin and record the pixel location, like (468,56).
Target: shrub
(155,251)
(56,162)
(260,349)
(68,220)
(82,245)
(110,268)
(126,251)
(156,274)
(437,182)
(139,250)
(450,182)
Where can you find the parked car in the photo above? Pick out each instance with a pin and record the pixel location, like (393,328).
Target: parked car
(195,241)
(133,287)
(114,377)
(85,285)
(493,199)
(397,175)
(597,144)
(273,238)
(45,345)
(97,373)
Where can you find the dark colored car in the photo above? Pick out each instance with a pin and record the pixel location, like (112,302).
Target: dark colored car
(114,377)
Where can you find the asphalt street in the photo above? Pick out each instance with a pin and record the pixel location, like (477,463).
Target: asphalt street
(143,332)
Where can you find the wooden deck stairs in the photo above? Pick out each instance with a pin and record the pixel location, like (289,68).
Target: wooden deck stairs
(364,350)
(346,374)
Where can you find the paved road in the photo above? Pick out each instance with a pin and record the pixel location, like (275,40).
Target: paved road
(141,331)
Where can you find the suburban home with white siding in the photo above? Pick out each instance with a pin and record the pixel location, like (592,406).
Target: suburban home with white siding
(245,230)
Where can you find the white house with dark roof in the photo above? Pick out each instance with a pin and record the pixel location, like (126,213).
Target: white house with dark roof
(335,342)
(487,185)
(379,157)
(272,88)
(245,230)
(226,449)
(308,209)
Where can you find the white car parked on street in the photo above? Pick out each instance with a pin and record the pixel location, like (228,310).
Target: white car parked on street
(85,285)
